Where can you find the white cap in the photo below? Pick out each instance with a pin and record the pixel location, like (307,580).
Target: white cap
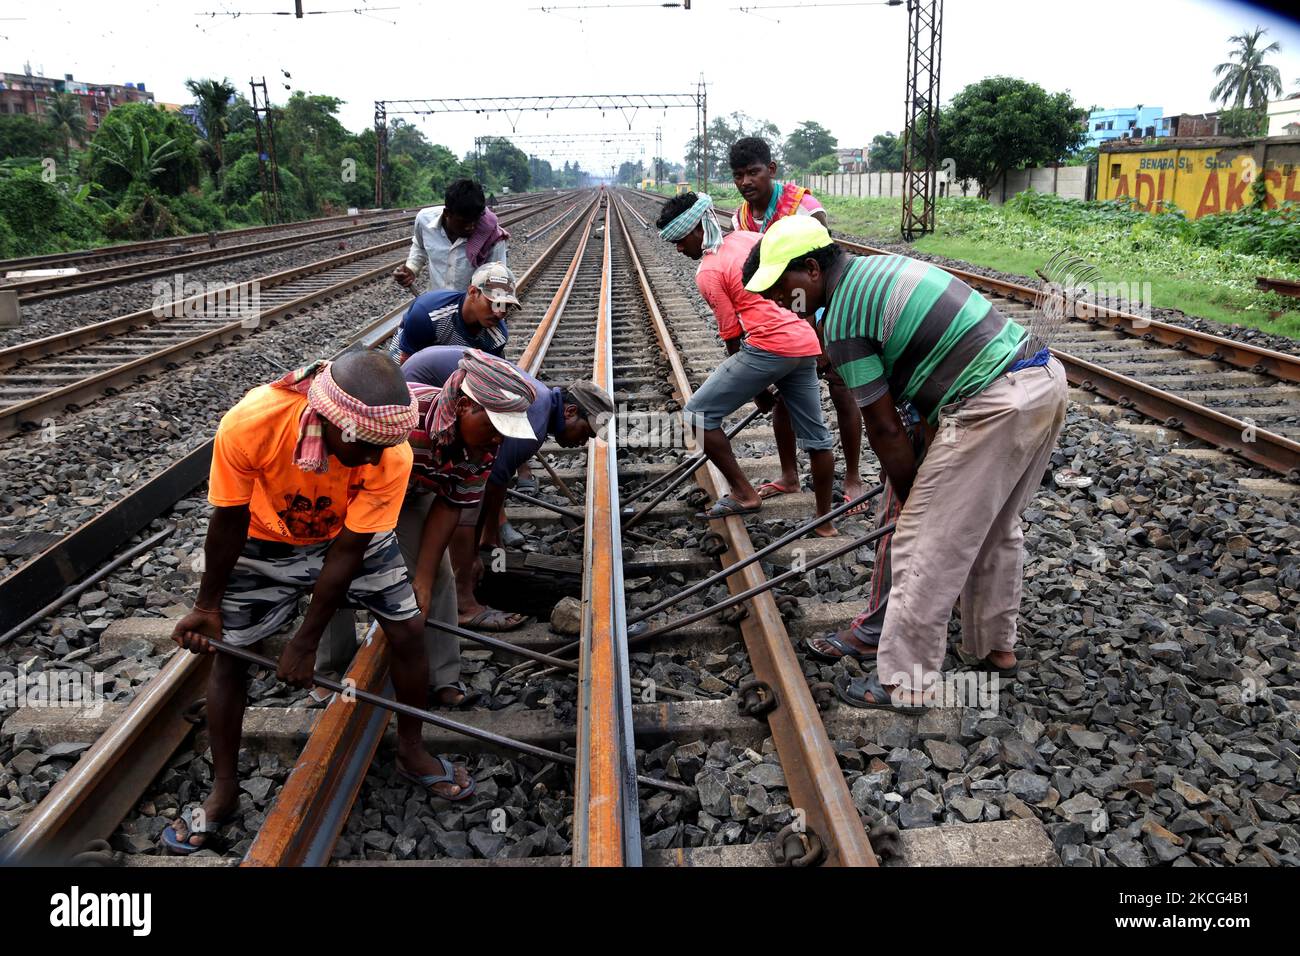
(509,424)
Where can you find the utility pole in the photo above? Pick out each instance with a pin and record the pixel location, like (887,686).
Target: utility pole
(266,151)
(921,115)
(659,155)
(381,151)
(702,136)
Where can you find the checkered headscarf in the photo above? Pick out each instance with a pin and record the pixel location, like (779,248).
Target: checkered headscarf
(497,385)
(384,425)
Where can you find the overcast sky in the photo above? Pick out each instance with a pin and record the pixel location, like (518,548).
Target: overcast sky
(841,67)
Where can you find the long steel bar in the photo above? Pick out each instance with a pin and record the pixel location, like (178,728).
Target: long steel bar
(811,768)
(607,829)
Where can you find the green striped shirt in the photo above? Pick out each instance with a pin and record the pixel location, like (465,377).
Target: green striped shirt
(904,326)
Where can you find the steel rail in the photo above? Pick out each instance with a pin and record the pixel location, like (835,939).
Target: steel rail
(102,787)
(606,822)
(91,800)
(1260,446)
(325,780)
(811,769)
(49,287)
(119,250)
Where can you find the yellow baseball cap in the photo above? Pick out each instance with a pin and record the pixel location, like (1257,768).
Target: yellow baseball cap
(785,240)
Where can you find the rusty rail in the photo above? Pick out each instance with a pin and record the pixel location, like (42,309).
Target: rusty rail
(1257,445)
(606,827)
(302,829)
(811,769)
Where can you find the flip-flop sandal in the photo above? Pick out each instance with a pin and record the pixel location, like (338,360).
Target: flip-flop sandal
(490,620)
(212,840)
(987,666)
(526,486)
(840,498)
(427,781)
(778,490)
(867,693)
(511,538)
(727,507)
(469,698)
(844,647)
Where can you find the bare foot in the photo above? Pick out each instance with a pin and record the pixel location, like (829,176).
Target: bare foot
(826,531)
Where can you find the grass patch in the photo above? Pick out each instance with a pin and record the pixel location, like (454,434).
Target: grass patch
(1197,267)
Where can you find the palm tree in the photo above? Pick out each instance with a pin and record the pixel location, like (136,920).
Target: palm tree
(212,100)
(135,155)
(1248,78)
(63,112)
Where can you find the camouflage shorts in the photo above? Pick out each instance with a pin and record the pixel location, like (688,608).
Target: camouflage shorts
(269,577)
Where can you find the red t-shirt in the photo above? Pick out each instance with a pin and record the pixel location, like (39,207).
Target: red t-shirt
(766,325)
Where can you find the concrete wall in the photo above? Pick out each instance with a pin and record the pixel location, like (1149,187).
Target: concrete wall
(1068,181)
(1201,176)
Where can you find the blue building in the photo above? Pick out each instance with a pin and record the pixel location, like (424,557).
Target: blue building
(1133,121)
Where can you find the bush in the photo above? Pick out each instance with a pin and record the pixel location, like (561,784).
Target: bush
(41,217)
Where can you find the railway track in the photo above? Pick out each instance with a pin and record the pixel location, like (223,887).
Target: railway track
(41,378)
(104,276)
(1237,397)
(180,245)
(729,714)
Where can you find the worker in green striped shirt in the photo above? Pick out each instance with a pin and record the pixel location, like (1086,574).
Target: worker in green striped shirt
(898,329)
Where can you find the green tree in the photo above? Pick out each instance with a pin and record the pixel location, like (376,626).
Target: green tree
(1003,123)
(25,136)
(63,113)
(886,155)
(725,130)
(809,141)
(1244,122)
(629,173)
(1246,79)
(128,149)
(212,102)
(125,124)
(825,165)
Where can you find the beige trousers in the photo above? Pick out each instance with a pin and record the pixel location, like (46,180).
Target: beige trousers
(959,534)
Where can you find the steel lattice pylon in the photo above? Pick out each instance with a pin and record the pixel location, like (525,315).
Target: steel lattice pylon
(921,109)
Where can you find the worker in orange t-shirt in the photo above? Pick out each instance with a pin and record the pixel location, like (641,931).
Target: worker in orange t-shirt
(307,480)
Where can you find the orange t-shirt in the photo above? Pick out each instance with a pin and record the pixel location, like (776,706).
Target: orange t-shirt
(252,463)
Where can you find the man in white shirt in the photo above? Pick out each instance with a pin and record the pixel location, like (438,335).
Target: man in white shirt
(453,240)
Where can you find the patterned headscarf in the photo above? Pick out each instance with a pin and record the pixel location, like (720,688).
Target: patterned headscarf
(701,212)
(497,385)
(384,425)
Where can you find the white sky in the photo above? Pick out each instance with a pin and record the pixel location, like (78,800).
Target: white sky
(844,68)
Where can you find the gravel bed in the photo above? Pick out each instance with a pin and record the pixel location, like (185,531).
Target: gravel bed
(1153,722)
(1238,333)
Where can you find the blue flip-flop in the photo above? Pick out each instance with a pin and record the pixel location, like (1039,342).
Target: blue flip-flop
(844,647)
(427,781)
(183,847)
(868,693)
(727,507)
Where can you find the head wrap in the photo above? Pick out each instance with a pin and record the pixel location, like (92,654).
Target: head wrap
(497,385)
(383,425)
(701,212)
(486,235)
